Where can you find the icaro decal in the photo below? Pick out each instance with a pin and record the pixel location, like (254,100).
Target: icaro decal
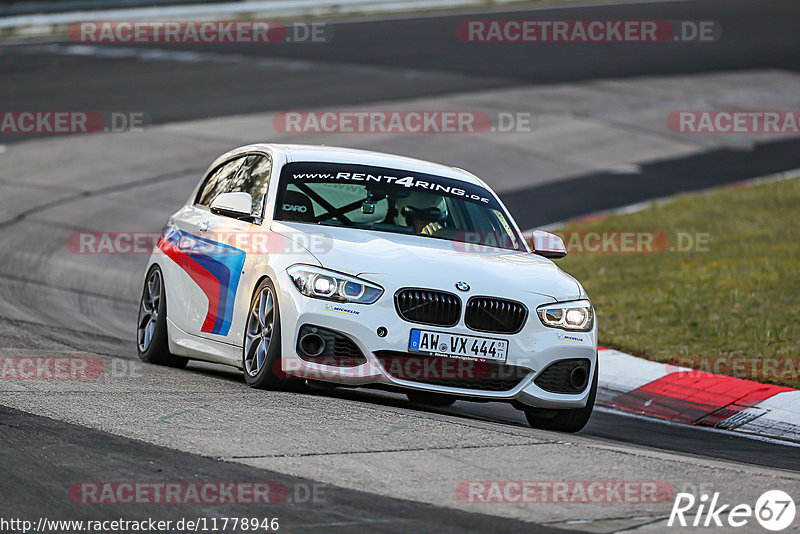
(295,207)
(215,267)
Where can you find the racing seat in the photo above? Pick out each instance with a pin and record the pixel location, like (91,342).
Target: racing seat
(296,206)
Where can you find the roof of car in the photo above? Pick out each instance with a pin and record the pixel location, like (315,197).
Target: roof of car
(368,157)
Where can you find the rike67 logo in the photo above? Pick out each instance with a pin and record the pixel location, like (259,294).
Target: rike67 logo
(774,510)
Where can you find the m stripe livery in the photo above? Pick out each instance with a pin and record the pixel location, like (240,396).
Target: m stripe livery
(213,266)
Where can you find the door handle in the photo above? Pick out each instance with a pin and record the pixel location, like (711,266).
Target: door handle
(203,226)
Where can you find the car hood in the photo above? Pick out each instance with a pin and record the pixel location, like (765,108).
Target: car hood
(395,260)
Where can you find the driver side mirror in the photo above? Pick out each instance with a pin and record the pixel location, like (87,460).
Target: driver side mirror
(547,244)
(236,205)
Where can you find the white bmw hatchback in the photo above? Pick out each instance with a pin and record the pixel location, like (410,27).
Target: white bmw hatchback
(355,268)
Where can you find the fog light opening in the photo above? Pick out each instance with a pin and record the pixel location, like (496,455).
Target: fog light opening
(312,345)
(579,377)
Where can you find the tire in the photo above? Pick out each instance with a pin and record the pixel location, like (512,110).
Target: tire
(151,331)
(439,400)
(564,420)
(263,333)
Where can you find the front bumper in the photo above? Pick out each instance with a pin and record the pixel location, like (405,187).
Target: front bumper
(532,349)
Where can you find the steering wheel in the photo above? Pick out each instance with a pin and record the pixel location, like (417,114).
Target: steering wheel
(424,214)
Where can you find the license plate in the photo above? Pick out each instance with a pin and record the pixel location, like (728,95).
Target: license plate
(457,345)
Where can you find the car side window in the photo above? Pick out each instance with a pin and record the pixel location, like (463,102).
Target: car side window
(218,182)
(253,178)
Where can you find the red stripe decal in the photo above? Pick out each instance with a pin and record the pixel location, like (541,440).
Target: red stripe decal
(693,396)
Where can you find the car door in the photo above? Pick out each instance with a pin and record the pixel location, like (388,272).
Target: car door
(194,274)
(228,249)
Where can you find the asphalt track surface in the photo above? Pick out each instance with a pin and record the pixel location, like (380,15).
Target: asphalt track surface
(367,62)
(82,454)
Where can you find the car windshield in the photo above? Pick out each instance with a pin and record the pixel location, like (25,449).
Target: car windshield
(391,200)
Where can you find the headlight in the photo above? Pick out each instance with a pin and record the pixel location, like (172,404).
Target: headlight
(330,285)
(575,315)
